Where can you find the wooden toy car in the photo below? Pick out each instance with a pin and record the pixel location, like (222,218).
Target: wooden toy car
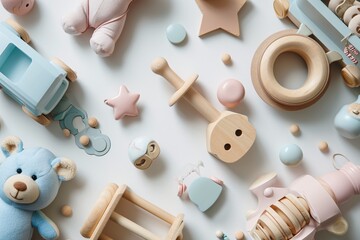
(322,38)
(35,83)
(106,209)
(327,28)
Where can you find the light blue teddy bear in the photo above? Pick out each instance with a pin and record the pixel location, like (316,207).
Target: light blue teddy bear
(29,181)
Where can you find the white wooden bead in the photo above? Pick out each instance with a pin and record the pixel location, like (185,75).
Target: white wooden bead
(219,234)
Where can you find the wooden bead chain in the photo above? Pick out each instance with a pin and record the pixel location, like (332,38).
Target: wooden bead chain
(347,11)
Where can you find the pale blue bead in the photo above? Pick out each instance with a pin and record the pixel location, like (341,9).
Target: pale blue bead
(291,155)
(176,33)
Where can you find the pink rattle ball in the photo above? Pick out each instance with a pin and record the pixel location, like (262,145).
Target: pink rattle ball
(18,7)
(230,93)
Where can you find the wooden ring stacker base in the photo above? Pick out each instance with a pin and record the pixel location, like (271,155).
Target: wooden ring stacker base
(104,211)
(229,135)
(268,87)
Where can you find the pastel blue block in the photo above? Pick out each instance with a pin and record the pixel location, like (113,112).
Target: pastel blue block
(204,192)
(176,33)
(291,155)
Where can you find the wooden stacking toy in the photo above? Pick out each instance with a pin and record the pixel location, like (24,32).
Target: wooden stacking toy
(322,39)
(105,211)
(229,134)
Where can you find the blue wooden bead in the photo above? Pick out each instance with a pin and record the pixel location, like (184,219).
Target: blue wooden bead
(291,155)
(176,33)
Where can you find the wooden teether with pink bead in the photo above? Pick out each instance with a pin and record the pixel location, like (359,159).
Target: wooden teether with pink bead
(229,134)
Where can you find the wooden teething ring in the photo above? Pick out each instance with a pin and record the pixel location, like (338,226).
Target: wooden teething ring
(268,87)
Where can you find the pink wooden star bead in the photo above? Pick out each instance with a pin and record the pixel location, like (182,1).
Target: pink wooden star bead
(124,104)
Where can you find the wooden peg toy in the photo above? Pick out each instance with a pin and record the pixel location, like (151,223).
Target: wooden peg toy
(229,135)
(105,211)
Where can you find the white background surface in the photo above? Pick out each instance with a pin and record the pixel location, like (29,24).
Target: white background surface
(180,130)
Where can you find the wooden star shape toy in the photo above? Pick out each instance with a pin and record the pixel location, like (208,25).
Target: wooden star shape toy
(124,104)
(220,14)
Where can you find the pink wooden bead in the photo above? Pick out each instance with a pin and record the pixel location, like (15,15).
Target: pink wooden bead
(230,93)
(18,7)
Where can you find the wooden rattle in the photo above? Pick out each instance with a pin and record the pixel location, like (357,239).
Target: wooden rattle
(229,134)
(104,211)
(308,205)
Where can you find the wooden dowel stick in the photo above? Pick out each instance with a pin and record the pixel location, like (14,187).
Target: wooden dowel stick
(103,236)
(161,67)
(133,227)
(92,222)
(151,208)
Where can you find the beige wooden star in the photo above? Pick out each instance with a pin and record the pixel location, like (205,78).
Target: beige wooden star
(220,14)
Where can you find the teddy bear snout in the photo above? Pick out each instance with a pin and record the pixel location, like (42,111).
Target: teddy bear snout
(21,189)
(20,186)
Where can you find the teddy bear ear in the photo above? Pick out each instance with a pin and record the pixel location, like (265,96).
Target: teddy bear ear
(65,168)
(11,145)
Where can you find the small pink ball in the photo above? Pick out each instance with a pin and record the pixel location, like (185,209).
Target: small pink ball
(18,7)
(230,93)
